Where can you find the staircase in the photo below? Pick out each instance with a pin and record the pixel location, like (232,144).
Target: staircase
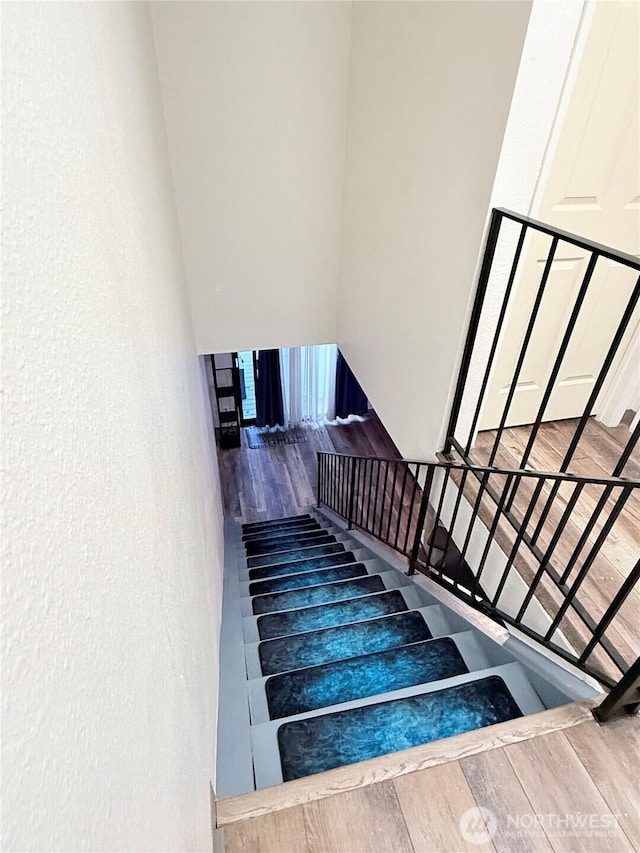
(334,656)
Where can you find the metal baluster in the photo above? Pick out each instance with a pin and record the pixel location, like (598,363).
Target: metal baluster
(613,516)
(523,350)
(625,695)
(403,491)
(352,492)
(454,517)
(370,489)
(410,514)
(474,320)
(518,542)
(496,338)
(437,517)
(597,387)
(550,550)
(392,502)
(610,613)
(573,319)
(422,514)
(376,493)
(494,527)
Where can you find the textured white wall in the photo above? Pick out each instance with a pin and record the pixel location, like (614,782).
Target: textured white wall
(111,511)
(255,97)
(430,88)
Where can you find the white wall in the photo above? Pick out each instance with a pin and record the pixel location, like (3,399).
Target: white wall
(255,97)
(430,88)
(546,55)
(111,509)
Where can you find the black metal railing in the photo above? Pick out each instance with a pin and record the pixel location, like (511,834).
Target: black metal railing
(451,520)
(512,248)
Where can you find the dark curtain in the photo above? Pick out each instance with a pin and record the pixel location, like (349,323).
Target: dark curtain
(350,398)
(269,406)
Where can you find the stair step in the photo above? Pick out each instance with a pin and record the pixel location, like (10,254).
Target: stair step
(331,615)
(367,675)
(287,543)
(475,659)
(298,566)
(344,641)
(275,522)
(306,579)
(312,619)
(323,594)
(295,554)
(311,524)
(387,731)
(344,658)
(332,740)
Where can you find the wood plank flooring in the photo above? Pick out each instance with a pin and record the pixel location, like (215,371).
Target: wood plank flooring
(571,790)
(273,482)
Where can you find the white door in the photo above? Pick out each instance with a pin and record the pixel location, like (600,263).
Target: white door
(591,188)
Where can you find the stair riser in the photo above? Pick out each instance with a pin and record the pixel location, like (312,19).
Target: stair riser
(343,543)
(265,736)
(315,578)
(305,540)
(257,526)
(290,531)
(297,567)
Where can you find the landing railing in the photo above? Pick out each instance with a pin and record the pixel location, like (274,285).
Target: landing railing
(451,520)
(518,247)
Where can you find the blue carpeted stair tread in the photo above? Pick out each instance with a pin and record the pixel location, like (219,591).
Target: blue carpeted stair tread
(320,743)
(287,531)
(299,566)
(320,537)
(295,554)
(275,522)
(322,576)
(344,641)
(323,594)
(331,615)
(356,678)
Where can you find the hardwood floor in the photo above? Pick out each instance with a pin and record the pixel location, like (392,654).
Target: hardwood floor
(273,482)
(570,790)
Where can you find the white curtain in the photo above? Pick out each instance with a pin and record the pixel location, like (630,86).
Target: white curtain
(308,383)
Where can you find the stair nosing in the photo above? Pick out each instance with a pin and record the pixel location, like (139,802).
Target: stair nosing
(301,575)
(314,586)
(313,531)
(292,545)
(314,568)
(291,550)
(249,525)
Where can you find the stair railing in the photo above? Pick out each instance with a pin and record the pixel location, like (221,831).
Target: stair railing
(443,518)
(508,239)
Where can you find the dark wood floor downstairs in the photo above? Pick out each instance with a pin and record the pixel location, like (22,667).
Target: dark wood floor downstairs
(273,482)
